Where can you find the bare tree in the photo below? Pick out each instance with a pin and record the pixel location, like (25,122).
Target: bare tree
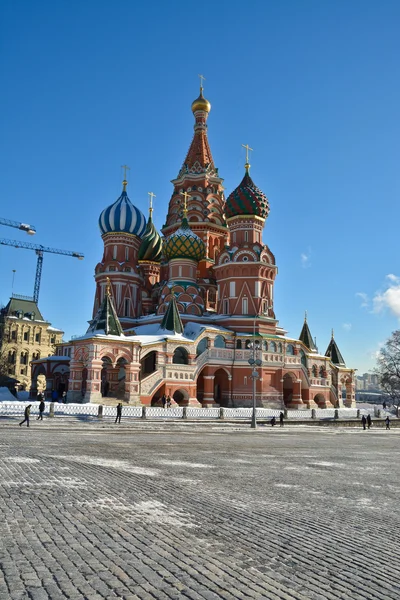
(388,369)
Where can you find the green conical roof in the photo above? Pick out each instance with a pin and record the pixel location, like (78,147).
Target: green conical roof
(151,245)
(106,321)
(334,353)
(306,337)
(172,320)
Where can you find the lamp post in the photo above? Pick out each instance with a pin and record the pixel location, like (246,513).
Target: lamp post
(254,362)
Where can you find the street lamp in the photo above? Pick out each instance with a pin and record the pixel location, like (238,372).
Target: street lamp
(254,362)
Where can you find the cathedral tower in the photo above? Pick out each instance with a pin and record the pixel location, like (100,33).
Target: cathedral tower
(246,269)
(122,226)
(149,262)
(199,177)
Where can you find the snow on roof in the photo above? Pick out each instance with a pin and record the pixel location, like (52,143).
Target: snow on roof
(54,329)
(54,358)
(98,334)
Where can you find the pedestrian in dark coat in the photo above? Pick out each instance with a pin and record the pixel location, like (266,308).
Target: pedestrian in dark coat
(119,413)
(164,400)
(42,406)
(281,419)
(387,421)
(369,421)
(26,415)
(364,422)
(273,421)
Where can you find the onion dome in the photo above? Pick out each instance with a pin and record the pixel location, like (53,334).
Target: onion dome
(183,243)
(247,199)
(201,103)
(151,246)
(122,216)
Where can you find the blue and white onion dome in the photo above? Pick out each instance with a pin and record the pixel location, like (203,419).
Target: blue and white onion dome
(122,216)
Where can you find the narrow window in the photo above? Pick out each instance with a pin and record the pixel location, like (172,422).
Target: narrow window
(245,381)
(127,307)
(244,306)
(126,253)
(26,336)
(226,307)
(246,236)
(115,252)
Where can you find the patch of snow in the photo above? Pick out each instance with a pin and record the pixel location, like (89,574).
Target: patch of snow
(121,465)
(182,463)
(21,459)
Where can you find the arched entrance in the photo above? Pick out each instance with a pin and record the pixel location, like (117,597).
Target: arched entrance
(148,364)
(288,381)
(221,387)
(105,376)
(181,397)
(180,356)
(84,380)
(200,387)
(121,362)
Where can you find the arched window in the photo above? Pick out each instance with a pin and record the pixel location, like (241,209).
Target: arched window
(202,346)
(239,344)
(315,371)
(303,358)
(219,342)
(180,356)
(321,372)
(248,343)
(290,349)
(265,346)
(272,347)
(280,348)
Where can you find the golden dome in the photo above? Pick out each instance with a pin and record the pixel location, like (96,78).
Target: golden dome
(201,103)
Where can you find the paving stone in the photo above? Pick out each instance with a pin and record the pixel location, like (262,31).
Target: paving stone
(199,513)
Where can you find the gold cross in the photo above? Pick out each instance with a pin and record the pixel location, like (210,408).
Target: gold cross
(186,196)
(247,152)
(151,201)
(125,183)
(202,78)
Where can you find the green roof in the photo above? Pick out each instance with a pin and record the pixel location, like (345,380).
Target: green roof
(334,354)
(21,305)
(106,319)
(306,337)
(172,319)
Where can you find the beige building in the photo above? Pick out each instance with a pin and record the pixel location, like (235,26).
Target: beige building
(24,336)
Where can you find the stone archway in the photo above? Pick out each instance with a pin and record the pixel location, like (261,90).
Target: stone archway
(181,397)
(221,387)
(288,382)
(121,363)
(105,376)
(200,387)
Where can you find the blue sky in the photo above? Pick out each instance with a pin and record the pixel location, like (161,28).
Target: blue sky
(312,86)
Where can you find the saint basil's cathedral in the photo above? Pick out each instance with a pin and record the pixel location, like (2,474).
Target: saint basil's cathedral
(189,312)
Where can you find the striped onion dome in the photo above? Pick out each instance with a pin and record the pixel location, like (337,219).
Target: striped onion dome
(122,216)
(183,243)
(151,246)
(247,199)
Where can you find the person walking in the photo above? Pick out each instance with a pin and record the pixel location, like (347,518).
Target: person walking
(387,421)
(281,415)
(168,401)
(364,422)
(42,406)
(369,421)
(26,415)
(273,422)
(119,413)
(164,400)
(64,397)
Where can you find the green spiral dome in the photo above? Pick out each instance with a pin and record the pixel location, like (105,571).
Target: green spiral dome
(183,243)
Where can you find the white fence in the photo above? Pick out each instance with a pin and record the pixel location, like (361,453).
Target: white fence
(16,408)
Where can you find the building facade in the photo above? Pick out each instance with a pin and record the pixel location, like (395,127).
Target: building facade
(190,311)
(25,336)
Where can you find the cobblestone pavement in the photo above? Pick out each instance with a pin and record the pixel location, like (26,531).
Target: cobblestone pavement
(198,512)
